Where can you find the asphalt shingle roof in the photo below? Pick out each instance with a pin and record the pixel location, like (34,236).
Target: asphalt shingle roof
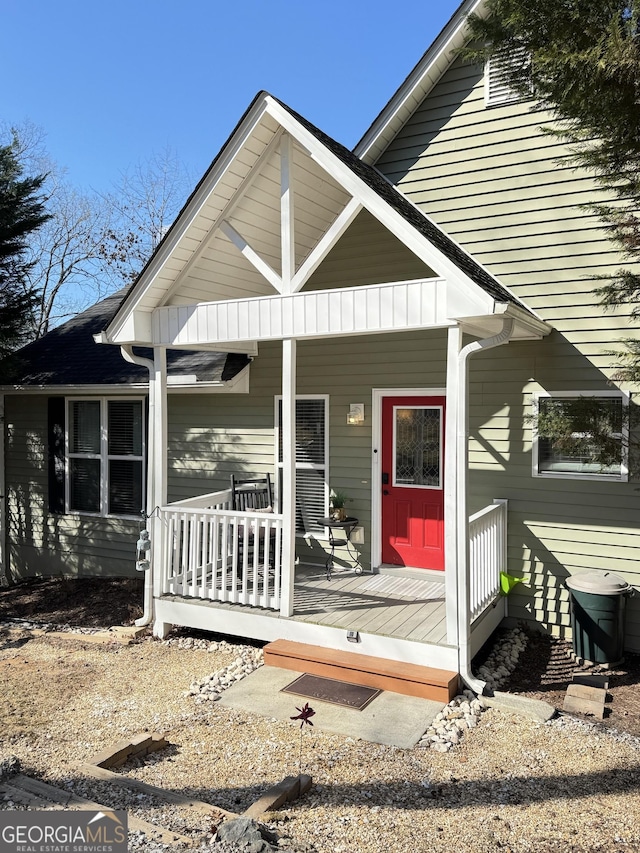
(68,355)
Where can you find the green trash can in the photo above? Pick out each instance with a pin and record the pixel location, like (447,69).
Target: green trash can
(598,602)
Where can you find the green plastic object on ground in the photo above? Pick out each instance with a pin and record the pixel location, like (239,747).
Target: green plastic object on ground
(598,602)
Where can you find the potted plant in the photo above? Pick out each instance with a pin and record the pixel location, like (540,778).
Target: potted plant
(339,500)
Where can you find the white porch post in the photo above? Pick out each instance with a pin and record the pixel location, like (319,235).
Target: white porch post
(464,597)
(158,461)
(287,213)
(451,491)
(288,496)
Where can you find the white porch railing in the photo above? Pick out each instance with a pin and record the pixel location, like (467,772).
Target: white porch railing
(487,555)
(213,553)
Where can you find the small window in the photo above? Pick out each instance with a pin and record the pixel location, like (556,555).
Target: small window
(105,456)
(499,74)
(312,490)
(581,435)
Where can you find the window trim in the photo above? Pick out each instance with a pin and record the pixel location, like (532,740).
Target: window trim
(621,477)
(103,456)
(308,466)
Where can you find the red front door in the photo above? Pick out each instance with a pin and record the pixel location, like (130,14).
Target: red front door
(413,481)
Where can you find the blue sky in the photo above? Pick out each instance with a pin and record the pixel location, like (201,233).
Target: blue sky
(112,83)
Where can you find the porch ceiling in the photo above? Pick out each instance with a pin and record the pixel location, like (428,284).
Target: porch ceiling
(276,200)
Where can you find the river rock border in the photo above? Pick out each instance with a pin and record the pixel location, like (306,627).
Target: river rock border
(211,687)
(449,725)
(464,710)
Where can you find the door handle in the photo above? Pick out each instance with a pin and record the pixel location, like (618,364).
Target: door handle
(385,491)
(385,479)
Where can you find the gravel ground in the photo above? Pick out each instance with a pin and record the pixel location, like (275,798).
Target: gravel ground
(509,785)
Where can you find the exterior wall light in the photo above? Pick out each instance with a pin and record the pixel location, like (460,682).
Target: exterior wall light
(355,415)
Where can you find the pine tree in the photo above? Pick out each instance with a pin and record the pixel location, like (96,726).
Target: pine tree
(22,211)
(585,69)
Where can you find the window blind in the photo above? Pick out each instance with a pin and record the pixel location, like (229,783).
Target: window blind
(311,463)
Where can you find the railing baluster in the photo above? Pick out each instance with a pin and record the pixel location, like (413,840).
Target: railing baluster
(215,554)
(487,555)
(224,550)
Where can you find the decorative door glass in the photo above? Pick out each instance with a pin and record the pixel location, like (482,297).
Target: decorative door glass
(417,446)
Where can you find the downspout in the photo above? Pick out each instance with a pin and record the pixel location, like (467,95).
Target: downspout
(128,355)
(464,626)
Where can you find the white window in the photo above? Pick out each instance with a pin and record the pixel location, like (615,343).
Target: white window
(581,435)
(105,453)
(312,461)
(498,76)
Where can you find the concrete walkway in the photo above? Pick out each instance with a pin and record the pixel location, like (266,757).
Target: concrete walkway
(390,718)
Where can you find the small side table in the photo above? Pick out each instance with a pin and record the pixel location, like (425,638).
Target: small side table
(346,526)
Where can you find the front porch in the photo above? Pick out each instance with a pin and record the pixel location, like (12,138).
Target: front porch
(208,581)
(293,250)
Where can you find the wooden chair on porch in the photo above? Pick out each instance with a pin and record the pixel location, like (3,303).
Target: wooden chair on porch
(252,494)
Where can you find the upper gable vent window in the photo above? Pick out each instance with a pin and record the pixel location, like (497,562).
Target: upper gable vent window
(499,74)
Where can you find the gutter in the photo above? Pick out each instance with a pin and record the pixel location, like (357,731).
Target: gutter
(128,355)
(462,452)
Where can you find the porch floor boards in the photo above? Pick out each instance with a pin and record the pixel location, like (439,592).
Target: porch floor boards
(343,602)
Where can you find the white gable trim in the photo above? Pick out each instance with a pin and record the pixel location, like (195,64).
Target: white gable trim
(329,240)
(132,324)
(382,211)
(185,219)
(371,309)
(418,84)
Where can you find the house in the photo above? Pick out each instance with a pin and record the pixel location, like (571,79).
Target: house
(407,307)
(77,509)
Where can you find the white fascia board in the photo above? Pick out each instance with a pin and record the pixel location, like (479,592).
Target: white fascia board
(417,85)
(238,385)
(134,329)
(525,317)
(178,230)
(76,390)
(249,348)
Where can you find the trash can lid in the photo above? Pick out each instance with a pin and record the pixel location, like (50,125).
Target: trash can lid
(599,583)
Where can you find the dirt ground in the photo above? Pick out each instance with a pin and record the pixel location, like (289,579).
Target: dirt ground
(543,672)
(86,602)
(547,668)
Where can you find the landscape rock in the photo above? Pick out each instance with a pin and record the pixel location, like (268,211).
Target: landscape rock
(534,709)
(248,835)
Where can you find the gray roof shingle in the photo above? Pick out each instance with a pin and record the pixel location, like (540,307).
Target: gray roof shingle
(68,355)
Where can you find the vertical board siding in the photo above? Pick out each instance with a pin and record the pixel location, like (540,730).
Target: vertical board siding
(41,543)
(506,192)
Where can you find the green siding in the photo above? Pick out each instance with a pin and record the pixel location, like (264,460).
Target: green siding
(505,191)
(40,543)
(367,254)
(211,437)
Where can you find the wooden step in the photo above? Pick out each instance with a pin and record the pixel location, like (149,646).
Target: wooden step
(409,679)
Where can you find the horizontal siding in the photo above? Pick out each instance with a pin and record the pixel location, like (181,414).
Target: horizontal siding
(557,527)
(40,543)
(506,192)
(367,254)
(211,437)
(502,188)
